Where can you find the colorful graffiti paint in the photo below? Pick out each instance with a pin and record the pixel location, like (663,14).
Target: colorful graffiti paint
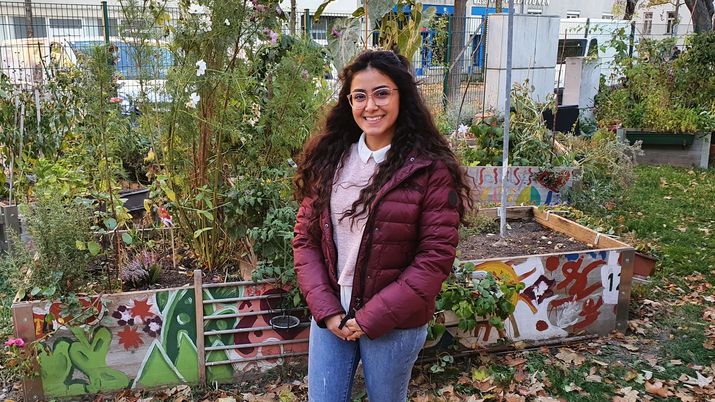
(148,339)
(563,295)
(525,185)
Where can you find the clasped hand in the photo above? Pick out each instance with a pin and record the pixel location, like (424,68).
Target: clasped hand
(351,331)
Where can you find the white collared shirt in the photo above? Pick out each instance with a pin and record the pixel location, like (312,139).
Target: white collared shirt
(365,152)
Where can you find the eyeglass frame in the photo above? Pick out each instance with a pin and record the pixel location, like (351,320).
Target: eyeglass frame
(370,95)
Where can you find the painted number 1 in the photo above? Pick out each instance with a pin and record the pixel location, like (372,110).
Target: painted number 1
(610,282)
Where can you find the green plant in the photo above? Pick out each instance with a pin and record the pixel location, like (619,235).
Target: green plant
(58,267)
(237,108)
(487,298)
(477,224)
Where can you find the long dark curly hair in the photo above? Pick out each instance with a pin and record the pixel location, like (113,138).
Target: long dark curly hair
(415,132)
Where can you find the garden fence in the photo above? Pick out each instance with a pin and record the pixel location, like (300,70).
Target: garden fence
(31,36)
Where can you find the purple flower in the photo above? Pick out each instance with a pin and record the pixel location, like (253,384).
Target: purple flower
(15,342)
(272,35)
(335,32)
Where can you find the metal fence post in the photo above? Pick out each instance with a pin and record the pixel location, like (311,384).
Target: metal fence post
(105,21)
(307,23)
(632,39)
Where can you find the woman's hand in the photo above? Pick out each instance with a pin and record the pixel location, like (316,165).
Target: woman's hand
(354,328)
(334,322)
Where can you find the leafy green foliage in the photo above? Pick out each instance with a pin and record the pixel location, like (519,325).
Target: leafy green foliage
(488,298)
(661,94)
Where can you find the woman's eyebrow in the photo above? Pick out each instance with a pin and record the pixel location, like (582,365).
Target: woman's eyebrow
(374,89)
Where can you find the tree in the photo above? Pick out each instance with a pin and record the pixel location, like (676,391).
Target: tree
(455,54)
(702,14)
(630,9)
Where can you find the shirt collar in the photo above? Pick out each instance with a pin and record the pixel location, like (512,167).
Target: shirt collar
(365,152)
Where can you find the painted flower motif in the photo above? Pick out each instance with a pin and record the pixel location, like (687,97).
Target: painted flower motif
(200,68)
(153,326)
(142,308)
(123,316)
(130,338)
(194,99)
(15,342)
(227,22)
(463,129)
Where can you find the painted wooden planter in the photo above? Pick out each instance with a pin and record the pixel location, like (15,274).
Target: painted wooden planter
(218,332)
(146,339)
(684,150)
(566,294)
(525,184)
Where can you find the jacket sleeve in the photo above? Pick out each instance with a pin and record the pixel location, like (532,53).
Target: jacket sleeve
(420,283)
(310,268)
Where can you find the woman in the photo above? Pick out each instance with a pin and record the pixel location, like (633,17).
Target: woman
(382,197)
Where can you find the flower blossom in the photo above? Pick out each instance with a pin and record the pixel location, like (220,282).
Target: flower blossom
(463,129)
(15,342)
(116,99)
(197,9)
(200,68)
(227,22)
(194,99)
(272,35)
(335,32)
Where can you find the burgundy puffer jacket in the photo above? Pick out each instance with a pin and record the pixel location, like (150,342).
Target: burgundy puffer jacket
(407,251)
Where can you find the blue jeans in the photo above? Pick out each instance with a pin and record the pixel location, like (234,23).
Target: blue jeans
(387,364)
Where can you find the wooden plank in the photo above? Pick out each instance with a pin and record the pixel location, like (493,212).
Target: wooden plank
(199,305)
(579,232)
(25,329)
(511,212)
(624,289)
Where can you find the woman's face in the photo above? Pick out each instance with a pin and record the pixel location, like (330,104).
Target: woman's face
(375,104)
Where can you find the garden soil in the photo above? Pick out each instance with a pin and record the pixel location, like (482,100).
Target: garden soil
(523,237)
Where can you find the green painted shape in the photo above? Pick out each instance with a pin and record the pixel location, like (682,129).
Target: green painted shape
(535,196)
(91,359)
(222,324)
(179,315)
(220,373)
(187,363)
(56,371)
(162,299)
(157,370)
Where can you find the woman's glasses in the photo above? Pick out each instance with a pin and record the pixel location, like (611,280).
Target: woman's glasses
(381,97)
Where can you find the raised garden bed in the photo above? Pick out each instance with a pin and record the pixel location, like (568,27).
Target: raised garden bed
(145,339)
(218,331)
(526,185)
(684,150)
(583,289)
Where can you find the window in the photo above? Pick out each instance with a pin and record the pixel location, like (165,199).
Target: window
(65,23)
(647,23)
(573,14)
(671,22)
(570,48)
(112,27)
(39,29)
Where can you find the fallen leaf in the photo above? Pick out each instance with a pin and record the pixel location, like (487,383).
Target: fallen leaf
(657,388)
(594,378)
(631,347)
(514,398)
(701,381)
(628,395)
(569,356)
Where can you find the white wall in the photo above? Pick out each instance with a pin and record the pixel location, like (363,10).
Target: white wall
(534,56)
